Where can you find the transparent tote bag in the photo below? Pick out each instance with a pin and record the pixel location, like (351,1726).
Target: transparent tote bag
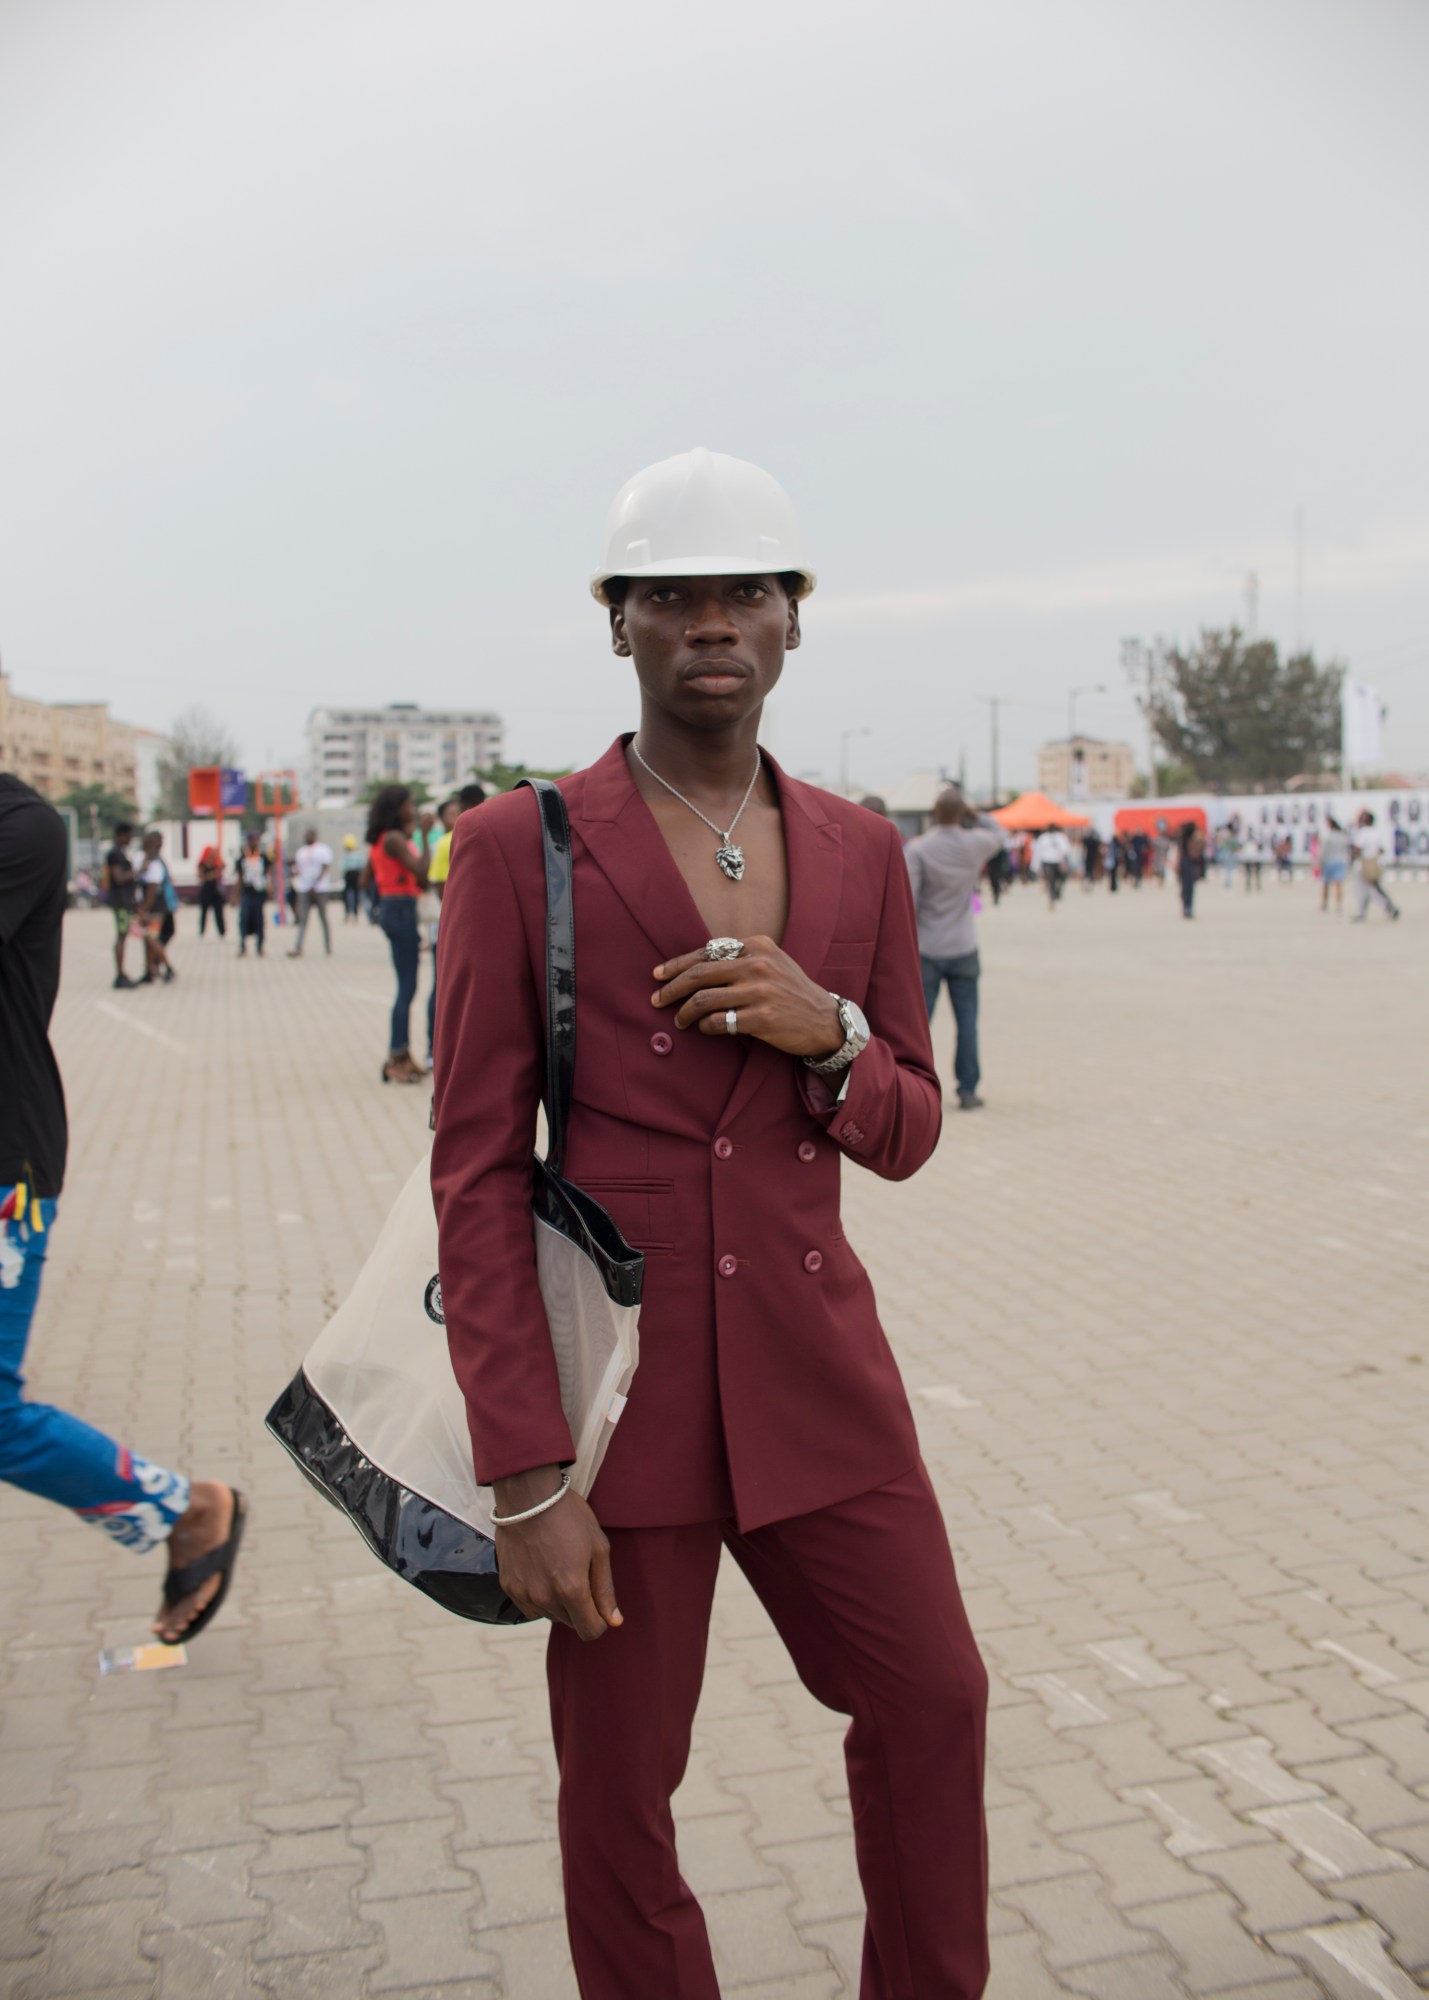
(375,1418)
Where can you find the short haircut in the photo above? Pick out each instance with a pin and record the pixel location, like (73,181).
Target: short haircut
(471,795)
(124,831)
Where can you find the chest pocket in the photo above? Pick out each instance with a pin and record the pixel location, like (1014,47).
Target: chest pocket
(846,967)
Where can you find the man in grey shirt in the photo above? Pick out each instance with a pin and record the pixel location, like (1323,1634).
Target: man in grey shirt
(945,864)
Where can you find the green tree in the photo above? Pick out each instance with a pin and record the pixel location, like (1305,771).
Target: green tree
(1239,717)
(1170,779)
(421,793)
(506,777)
(196,738)
(107,807)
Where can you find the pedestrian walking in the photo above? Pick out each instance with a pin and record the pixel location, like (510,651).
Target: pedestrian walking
(253,875)
(121,891)
(999,873)
(1190,863)
(1052,857)
(44,1450)
(1369,849)
(352,869)
(1252,859)
(722,1092)
(1333,865)
(1091,857)
(210,890)
(311,864)
(438,868)
(1228,852)
(400,874)
(158,902)
(1112,858)
(944,865)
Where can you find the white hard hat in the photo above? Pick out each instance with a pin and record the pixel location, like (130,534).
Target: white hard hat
(701,513)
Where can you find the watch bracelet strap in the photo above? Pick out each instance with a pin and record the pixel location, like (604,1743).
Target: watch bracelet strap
(841,1058)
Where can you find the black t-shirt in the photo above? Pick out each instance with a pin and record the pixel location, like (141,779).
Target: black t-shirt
(121,878)
(33,862)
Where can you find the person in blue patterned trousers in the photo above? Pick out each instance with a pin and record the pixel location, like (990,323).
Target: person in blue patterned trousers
(45,1450)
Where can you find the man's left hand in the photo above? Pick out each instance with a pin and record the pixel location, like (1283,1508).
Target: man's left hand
(773,999)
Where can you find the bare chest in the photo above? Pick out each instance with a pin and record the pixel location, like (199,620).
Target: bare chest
(756,906)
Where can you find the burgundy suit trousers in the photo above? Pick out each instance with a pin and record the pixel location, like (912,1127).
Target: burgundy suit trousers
(865,1598)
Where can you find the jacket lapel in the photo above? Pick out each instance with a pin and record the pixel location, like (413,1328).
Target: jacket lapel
(619,833)
(621,836)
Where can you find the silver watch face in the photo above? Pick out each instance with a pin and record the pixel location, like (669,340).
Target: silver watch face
(855,1026)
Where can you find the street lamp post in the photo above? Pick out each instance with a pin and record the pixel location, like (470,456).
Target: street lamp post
(845,736)
(994,703)
(1098,687)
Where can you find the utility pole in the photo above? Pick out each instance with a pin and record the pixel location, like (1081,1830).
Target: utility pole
(844,736)
(1299,579)
(1139,662)
(994,703)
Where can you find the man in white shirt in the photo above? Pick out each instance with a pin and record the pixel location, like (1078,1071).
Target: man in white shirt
(1052,856)
(310,881)
(944,865)
(1370,849)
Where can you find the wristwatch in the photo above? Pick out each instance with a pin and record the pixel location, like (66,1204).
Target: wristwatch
(856,1034)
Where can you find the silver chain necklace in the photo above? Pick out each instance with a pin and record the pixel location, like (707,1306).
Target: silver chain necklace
(729,857)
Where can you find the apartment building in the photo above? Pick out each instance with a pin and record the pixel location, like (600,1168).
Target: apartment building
(400,744)
(56,745)
(1085,767)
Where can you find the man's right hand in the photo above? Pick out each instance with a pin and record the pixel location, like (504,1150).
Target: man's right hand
(556,1566)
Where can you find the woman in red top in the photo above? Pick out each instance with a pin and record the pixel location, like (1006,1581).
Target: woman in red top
(400,871)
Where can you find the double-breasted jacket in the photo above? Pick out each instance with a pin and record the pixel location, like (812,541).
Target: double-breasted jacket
(766,1387)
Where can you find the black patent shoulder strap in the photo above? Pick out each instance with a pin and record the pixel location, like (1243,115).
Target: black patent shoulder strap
(560,965)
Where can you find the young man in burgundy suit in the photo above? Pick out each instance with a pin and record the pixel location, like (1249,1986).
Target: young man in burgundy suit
(750,1015)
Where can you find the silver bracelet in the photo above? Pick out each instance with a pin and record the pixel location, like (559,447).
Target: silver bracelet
(541,1506)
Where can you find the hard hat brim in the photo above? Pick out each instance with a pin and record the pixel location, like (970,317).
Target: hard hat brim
(703,566)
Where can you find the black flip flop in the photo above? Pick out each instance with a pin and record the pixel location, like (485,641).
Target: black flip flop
(180,1583)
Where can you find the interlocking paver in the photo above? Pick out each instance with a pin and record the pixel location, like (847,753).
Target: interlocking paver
(1174,1418)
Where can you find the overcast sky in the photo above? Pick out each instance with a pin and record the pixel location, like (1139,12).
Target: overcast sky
(330,329)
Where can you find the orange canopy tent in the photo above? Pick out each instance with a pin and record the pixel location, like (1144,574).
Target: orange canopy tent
(1033,811)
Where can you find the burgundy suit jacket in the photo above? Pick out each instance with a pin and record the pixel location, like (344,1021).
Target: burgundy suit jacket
(766,1387)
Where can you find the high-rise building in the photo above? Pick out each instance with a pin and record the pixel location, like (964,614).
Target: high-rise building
(56,745)
(400,744)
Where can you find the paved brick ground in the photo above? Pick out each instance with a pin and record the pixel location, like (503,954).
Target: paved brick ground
(1162,1305)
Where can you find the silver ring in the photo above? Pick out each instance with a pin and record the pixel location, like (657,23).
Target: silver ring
(731,1021)
(722,948)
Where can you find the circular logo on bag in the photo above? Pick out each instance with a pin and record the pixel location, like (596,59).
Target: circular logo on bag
(433,1301)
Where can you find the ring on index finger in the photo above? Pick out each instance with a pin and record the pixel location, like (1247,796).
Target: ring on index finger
(724,947)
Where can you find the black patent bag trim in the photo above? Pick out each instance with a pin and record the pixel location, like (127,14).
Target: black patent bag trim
(560,964)
(554,1199)
(447,1560)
